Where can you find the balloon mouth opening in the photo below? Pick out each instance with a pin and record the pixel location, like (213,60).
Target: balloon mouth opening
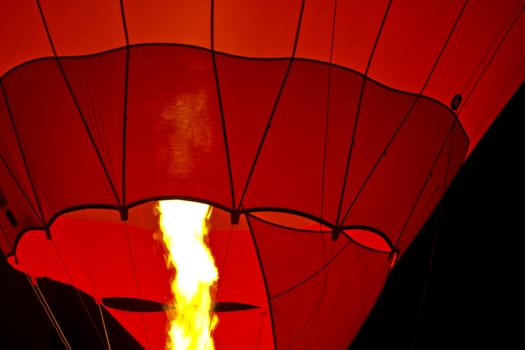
(145,215)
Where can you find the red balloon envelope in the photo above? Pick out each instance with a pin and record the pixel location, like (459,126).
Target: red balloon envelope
(323,133)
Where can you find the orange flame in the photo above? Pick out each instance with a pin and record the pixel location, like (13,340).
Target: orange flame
(184,229)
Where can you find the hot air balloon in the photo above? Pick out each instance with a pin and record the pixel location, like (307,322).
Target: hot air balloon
(321,133)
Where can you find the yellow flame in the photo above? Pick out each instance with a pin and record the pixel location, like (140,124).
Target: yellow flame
(184,230)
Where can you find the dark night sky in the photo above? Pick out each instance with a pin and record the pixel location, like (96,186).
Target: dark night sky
(473,243)
(467,299)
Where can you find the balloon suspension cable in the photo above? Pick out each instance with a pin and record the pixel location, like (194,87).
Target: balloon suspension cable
(82,302)
(41,298)
(104,325)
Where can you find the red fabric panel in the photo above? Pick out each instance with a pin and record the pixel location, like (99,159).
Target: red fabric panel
(315,37)
(37,257)
(11,157)
(83,26)
(443,171)
(314,312)
(175,143)
(98,85)
(16,195)
(294,146)
(295,255)
(256,29)
(402,171)
(340,299)
(148,329)
(235,257)
(340,123)
(53,136)
(250,330)
(167,21)
(471,48)
(22,34)
(249,89)
(356,28)
(413,35)
(379,115)
(240,280)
